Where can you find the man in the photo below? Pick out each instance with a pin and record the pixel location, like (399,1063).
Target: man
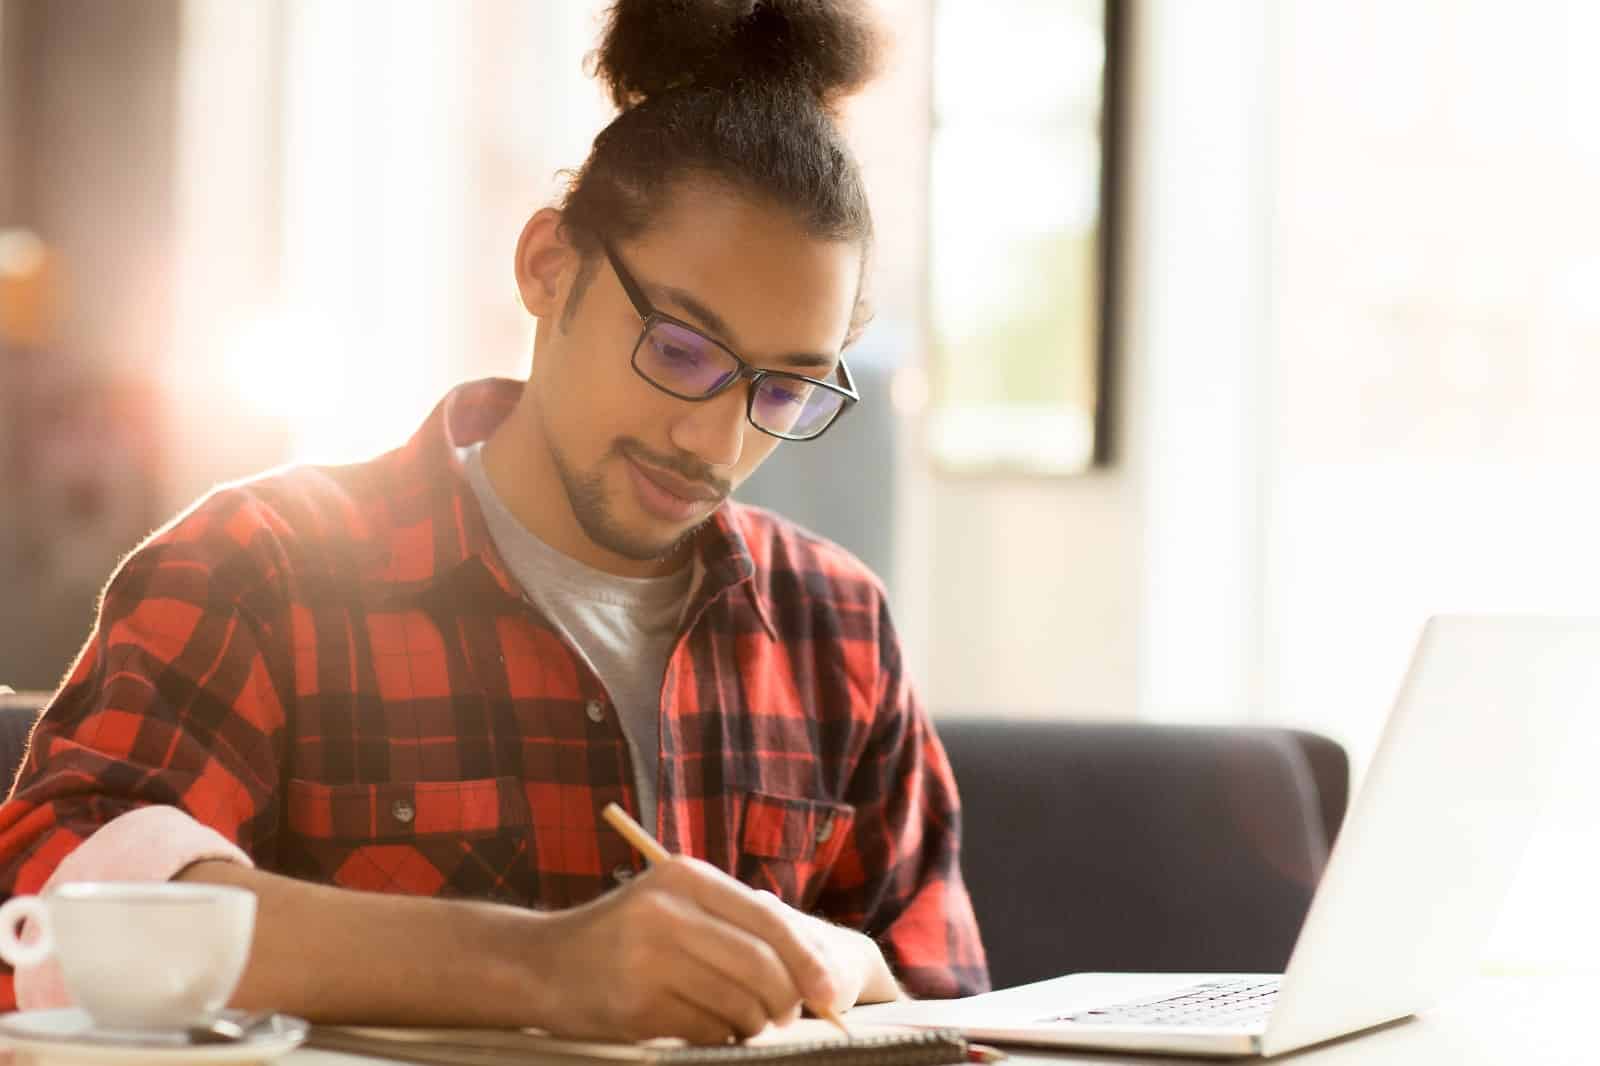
(334,674)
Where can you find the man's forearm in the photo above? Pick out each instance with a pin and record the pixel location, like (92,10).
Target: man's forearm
(336,955)
(332,954)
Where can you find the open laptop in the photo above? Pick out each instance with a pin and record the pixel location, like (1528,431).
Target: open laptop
(1412,887)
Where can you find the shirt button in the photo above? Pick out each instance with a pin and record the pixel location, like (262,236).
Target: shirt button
(596,711)
(825,830)
(403,811)
(622,874)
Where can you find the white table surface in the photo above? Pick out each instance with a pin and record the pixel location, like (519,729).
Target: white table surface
(1525,1021)
(1529,1021)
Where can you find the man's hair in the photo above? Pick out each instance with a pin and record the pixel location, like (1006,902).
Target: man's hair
(741,92)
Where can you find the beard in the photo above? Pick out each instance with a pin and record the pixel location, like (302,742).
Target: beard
(586,494)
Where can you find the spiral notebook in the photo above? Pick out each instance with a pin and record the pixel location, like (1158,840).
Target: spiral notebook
(804,1043)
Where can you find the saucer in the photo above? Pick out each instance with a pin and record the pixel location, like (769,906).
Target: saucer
(69,1036)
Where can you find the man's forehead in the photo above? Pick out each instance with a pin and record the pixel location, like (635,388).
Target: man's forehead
(751,278)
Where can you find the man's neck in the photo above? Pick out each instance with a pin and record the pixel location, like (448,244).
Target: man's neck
(520,466)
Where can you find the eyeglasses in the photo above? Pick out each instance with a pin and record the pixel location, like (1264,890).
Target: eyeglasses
(681,361)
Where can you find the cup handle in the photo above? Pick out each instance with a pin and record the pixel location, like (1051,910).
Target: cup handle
(12,949)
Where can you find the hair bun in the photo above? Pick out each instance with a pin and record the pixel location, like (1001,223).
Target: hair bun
(828,48)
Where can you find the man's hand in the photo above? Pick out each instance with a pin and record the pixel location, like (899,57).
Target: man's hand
(861,974)
(685,950)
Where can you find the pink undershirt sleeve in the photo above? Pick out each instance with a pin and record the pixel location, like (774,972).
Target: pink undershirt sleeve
(148,844)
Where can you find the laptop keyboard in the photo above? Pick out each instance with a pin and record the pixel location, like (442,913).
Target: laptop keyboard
(1231,1003)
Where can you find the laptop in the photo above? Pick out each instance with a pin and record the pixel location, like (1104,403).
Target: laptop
(1412,887)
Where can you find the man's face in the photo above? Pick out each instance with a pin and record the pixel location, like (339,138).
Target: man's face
(640,469)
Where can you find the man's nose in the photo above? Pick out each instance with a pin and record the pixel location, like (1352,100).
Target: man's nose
(713,430)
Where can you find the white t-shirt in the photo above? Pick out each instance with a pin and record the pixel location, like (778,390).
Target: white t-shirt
(624,627)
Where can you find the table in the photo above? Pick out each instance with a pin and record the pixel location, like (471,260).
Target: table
(1536,1021)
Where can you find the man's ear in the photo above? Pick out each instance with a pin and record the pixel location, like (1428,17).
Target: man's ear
(546,264)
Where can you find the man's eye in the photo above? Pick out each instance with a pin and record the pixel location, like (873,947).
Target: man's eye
(677,354)
(778,395)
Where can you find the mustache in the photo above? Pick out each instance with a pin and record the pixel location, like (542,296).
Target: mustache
(685,466)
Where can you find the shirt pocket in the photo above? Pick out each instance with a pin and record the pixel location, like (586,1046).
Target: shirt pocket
(788,846)
(421,838)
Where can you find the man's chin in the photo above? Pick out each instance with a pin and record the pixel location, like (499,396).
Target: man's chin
(647,548)
(642,538)
(617,520)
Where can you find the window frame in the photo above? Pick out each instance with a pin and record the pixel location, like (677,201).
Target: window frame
(1108,295)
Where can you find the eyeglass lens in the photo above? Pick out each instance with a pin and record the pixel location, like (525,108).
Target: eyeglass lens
(687,364)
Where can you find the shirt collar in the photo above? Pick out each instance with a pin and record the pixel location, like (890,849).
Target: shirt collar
(436,546)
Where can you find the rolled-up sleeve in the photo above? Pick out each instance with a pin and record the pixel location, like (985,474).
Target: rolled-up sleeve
(150,843)
(899,877)
(173,702)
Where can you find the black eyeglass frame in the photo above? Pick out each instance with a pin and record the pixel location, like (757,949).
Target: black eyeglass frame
(649,316)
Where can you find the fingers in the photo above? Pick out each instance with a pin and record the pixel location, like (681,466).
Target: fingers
(649,982)
(734,959)
(685,950)
(734,1005)
(676,1015)
(760,914)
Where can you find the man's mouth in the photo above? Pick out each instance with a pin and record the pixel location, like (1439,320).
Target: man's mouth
(668,496)
(681,487)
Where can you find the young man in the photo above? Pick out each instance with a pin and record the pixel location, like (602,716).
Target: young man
(392,698)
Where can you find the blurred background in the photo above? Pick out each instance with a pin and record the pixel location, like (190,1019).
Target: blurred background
(1217,343)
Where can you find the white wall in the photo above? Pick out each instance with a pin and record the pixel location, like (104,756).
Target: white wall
(1438,353)
(1132,591)
(1034,596)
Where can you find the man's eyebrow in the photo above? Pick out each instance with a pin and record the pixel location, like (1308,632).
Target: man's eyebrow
(714,323)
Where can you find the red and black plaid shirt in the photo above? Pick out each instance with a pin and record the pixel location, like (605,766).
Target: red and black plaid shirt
(334,669)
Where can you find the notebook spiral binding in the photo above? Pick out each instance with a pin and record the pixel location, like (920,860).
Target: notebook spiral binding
(485,1047)
(931,1047)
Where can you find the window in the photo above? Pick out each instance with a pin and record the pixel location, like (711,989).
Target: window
(1023,131)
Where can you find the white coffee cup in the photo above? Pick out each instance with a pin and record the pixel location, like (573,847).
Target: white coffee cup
(153,955)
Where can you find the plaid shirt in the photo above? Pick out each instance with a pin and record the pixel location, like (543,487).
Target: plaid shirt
(333,668)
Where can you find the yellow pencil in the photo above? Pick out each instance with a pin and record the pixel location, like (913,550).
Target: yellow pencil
(635,834)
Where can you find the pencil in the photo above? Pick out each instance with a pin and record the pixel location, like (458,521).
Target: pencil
(647,845)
